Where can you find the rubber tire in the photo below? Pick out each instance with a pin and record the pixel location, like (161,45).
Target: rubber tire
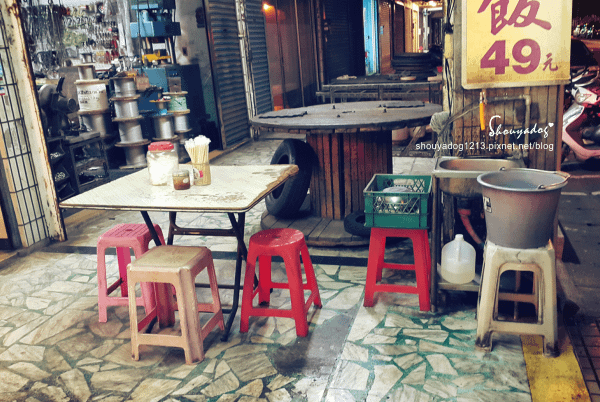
(355,224)
(286,200)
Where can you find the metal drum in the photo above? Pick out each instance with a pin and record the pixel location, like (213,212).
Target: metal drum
(178,101)
(124,86)
(86,72)
(163,126)
(126,106)
(91,94)
(161,105)
(181,121)
(95,121)
(130,131)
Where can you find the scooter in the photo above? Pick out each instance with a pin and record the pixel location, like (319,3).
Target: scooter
(581,120)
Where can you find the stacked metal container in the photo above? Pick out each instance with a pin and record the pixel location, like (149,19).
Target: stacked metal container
(125,101)
(164,128)
(94,112)
(178,108)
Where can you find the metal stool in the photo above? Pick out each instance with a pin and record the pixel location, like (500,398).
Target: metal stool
(421,266)
(177,266)
(123,236)
(539,261)
(290,245)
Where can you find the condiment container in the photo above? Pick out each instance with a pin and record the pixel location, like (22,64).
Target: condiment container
(162,162)
(181,179)
(458,261)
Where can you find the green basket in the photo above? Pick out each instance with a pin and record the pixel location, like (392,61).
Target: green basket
(406,209)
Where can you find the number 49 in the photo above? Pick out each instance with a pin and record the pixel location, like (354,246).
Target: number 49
(496,58)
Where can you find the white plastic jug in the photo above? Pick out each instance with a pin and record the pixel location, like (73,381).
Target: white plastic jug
(458,261)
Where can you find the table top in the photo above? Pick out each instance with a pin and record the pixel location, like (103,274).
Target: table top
(382,115)
(234,189)
(377,80)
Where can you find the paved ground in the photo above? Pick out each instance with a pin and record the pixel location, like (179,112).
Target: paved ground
(579,272)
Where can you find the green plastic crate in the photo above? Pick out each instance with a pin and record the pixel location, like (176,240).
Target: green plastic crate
(400,210)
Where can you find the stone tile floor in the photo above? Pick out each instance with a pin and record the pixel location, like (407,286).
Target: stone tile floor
(52,347)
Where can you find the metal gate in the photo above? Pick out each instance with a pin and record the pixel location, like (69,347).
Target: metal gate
(227,69)
(27,197)
(344,38)
(258,56)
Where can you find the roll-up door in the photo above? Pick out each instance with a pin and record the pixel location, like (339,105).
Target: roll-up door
(259,61)
(227,70)
(344,45)
(385,37)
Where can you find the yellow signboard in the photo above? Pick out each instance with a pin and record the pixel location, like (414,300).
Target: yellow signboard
(514,43)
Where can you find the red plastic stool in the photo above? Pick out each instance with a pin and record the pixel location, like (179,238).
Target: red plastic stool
(123,236)
(422,265)
(290,245)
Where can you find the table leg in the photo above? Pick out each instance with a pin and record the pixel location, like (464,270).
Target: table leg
(151,228)
(165,312)
(237,231)
(242,253)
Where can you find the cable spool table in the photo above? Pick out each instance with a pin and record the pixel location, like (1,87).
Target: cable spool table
(352,141)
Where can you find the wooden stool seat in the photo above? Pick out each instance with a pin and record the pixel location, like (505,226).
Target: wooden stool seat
(290,245)
(175,267)
(421,266)
(123,237)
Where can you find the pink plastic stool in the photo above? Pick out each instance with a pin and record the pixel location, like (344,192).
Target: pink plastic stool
(422,265)
(290,245)
(123,236)
(168,268)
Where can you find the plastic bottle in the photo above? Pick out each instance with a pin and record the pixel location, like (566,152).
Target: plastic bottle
(162,162)
(458,261)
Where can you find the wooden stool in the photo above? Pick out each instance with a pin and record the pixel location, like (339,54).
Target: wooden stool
(422,265)
(178,266)
(540,261)
(123,236)
(290,245)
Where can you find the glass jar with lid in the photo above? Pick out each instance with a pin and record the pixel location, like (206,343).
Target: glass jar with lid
(162,162)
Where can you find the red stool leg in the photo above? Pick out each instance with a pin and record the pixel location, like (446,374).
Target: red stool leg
(375,264)
(420,247)
(294,277)
(124,258)
(311,280)
(265,283)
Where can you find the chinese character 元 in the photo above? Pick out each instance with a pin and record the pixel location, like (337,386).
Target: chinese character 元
(548,63)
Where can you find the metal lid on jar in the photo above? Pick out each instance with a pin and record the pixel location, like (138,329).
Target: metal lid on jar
(160,146)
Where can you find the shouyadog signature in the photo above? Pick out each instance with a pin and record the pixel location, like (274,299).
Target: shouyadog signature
(533,130)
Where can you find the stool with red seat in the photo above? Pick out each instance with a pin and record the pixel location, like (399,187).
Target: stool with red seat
(290,245)
(123,237)
(421,266)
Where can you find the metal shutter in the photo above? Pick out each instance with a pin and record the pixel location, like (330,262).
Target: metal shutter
(259,60)
(227,69)
(337,48)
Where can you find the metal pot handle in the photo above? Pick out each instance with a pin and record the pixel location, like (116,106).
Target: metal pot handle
(563,174)
(542,187)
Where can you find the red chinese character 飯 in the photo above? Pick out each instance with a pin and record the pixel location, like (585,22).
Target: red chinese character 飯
(524,14)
